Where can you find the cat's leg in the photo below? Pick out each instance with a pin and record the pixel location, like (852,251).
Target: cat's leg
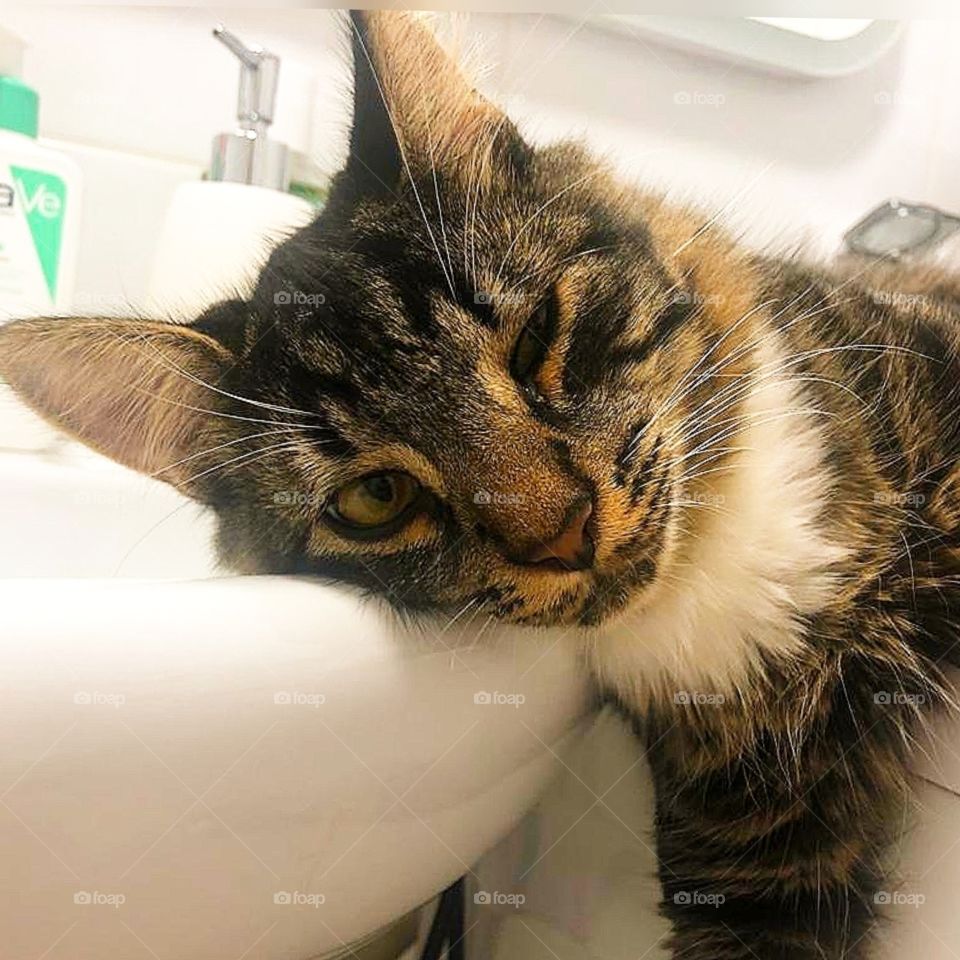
(772,839)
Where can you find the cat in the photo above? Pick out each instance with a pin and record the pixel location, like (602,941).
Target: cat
(491,377)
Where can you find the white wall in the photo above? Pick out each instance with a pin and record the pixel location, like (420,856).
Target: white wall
(135,94)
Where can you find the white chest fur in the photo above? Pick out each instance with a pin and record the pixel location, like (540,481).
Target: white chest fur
(740,588)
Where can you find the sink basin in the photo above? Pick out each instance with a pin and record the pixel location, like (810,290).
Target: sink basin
(76,514)
(198,769)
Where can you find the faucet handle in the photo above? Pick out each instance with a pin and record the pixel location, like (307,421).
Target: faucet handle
(247,55)
(259,70)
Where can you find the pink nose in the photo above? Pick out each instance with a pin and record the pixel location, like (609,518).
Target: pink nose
(572,548)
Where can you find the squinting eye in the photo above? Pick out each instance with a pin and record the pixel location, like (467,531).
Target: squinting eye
(374,501)
(532,345)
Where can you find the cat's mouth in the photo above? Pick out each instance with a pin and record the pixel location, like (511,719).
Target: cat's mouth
(588,601)
(591,596)
(611,594)
(584,598)
(628,546)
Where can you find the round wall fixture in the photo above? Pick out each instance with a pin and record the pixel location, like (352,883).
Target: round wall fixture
(798,46)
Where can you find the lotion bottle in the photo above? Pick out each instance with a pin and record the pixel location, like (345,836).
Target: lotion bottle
(39,227)
(39,204)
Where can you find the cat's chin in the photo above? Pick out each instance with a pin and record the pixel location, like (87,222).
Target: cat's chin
(606,601)
(607,609)
(601,599)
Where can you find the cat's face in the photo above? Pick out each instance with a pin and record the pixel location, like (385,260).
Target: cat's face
(484,445)
(466,386)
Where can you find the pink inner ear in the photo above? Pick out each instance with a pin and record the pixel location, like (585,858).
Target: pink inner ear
(439,116)
(127,388)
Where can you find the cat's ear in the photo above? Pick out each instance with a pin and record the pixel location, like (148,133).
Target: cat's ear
(414,111)
(135,390)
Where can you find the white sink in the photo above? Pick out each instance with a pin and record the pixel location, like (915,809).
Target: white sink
(76,514)
(256,767)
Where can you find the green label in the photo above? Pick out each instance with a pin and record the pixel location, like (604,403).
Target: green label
(44,199)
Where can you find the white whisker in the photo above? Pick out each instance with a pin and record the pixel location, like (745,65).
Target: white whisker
(221,446)
(248,457)
(403,157)
(193,378)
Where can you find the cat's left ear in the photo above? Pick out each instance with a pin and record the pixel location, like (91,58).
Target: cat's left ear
(413,107)
(142,392)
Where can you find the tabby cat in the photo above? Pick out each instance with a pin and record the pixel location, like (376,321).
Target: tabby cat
(490,377)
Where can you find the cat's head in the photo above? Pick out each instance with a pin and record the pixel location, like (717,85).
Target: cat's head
(467,385)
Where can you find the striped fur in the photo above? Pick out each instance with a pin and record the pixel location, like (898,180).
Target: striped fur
(770,448)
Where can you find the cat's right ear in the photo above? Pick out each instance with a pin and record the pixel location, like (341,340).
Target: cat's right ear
(142,392)
(415,110)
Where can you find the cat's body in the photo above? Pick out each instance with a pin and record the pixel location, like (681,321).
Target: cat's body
(847,443)
(779,717)
(520,389)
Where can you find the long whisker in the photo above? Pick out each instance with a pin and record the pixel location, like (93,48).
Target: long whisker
(680,391)
(805,315)
(694,474)
(702,426)
(433,169)
(248,457)
(149,532)
(227,416)
(221,446)
(736,354)
(193,378)
(458,615)
(780,364)
(743,384)
(765,336)
(403,157)
(574,256)
(484,159)
(758,418)
(471,177)
(689,478)
(516,83)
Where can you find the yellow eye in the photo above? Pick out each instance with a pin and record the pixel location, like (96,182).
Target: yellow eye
(373,501)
